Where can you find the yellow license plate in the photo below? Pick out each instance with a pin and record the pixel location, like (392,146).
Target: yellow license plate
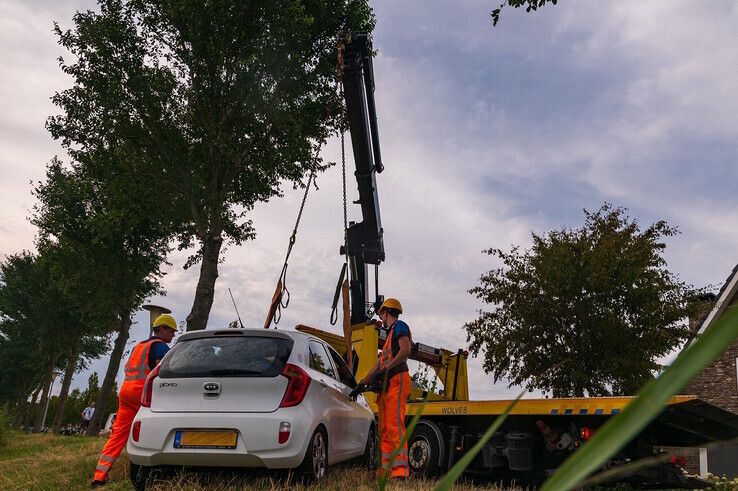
(205,439)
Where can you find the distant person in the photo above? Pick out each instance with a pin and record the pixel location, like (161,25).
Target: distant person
(87,415)
(145,356)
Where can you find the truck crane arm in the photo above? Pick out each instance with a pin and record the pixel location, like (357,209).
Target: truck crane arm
(364,239)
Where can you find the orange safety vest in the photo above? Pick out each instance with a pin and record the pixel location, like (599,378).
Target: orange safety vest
(137,366)
(385,357)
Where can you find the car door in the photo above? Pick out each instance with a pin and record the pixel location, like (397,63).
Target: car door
(357,416)
(331,399)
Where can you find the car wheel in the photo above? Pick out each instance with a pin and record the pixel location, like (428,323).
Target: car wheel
(315,463)
(423,451)
(143,475)
(370,450)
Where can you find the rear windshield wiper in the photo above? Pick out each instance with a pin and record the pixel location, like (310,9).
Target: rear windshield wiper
(235,371)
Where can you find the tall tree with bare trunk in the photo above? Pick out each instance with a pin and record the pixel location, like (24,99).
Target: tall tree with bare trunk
(219,103)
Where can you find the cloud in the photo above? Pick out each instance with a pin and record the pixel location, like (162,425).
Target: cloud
(486,133)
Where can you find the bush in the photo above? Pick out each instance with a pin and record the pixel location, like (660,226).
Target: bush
(723,483)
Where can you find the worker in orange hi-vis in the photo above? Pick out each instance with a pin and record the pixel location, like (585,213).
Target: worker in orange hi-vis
(392,372)
(145,356)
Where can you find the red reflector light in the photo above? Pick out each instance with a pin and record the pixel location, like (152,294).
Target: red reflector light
(284,432)
(149,387)
(585,433)
(297,385)
(136,431)
(679,460)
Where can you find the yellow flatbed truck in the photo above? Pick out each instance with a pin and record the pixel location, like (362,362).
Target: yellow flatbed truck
(538,434)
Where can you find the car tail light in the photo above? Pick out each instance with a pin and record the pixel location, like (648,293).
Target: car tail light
(284,432)
(136,432)
(149,387)
(679,460)
(585,433)
(297,385)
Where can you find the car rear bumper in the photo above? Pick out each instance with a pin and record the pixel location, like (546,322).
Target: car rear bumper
(257,442)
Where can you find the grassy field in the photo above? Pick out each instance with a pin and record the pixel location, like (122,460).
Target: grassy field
(49,462)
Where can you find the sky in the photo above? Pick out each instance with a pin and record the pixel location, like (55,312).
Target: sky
(487,134)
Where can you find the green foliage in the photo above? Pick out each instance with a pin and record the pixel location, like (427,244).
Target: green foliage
(563,312)
(107,247)
(530,6)
(425,379)
(35,314)
(651,401)
(215,103)
(723,483)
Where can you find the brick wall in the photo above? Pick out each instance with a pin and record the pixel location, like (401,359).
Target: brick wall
(718,382)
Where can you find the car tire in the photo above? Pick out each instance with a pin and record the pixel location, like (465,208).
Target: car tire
(370,449)
(315,464)
(424,450)
(143,475)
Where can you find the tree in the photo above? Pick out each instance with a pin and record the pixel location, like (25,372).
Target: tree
(109,244)
(584,310)
(39,327)
(217,102)
(530,6)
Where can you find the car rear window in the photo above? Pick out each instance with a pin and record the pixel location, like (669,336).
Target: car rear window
(227,356)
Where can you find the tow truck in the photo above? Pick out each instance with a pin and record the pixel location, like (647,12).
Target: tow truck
(538,434)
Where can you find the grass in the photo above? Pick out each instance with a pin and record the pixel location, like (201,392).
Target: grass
(50,462)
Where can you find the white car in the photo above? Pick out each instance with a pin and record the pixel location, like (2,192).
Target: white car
(250,398)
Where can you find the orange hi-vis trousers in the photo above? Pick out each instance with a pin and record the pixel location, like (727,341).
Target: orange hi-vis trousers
(129,401)
(392,405)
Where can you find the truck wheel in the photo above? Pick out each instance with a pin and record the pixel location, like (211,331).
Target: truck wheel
(423,451)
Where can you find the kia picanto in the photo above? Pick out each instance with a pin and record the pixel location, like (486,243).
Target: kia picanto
(250,398)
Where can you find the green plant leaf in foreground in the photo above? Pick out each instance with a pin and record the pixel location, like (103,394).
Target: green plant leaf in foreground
(464,462)
(651,400)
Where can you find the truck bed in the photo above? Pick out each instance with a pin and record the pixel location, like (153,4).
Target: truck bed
(686,420)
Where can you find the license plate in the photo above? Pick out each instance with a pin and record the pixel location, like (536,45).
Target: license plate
(205,439)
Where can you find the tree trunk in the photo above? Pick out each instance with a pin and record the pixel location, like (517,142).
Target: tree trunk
(72,357)
(21,406)
(26,417)
(107,386)
(198,318)
(39,420)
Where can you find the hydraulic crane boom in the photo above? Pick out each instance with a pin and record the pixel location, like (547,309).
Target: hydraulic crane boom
(364,239)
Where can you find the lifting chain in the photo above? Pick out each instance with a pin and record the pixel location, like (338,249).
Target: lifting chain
(281,297)
(342,129)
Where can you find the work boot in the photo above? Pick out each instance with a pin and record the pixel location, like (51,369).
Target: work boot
(98,484)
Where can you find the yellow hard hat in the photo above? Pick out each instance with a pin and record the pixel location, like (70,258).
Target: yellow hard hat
(166,320)
(391,303)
